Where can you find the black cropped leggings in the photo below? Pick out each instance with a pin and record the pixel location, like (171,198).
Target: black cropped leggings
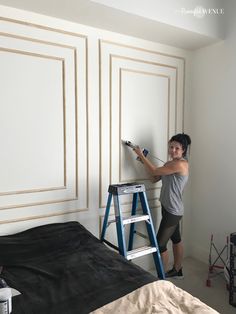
(169,229)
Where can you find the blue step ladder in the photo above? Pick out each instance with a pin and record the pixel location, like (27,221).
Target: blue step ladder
(116,190)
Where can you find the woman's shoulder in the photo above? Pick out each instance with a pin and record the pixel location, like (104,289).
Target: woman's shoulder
(181,166)
(183,162)
(184,167)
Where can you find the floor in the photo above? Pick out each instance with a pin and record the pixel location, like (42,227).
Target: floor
(194,282)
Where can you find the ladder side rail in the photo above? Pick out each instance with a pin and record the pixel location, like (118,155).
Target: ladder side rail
(152,236)
(119,227)
(132,225)
(105,222)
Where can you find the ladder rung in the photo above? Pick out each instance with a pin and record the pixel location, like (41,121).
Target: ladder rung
(145,236)
(135,218)
(141,252)
(110,222)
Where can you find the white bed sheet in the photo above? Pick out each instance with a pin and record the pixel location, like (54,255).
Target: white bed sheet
(158,297)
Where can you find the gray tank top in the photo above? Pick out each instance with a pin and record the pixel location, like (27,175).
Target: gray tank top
(172,192)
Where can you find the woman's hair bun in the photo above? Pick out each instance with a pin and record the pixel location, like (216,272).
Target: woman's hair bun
(188,139)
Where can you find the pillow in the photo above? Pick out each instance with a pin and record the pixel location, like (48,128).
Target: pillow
(40,241)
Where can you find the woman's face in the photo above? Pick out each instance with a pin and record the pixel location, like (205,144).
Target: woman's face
(175,150)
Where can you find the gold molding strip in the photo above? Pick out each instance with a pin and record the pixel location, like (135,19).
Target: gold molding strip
(125,212)
(3,222)
(39,41)
(100,121)
(141,49)
(76,125)
(143,61)
(37,203)
(184,67)
(156,188)
(87,121)
(128,203)
(33,190)
(64,119)
(47,28)
(110,116)
(156,198)
(176,99)
(34,54)
(144,72)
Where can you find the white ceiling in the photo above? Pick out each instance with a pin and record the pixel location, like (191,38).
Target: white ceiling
(102,16)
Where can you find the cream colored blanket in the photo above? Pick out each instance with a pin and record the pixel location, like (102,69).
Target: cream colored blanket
(158,297)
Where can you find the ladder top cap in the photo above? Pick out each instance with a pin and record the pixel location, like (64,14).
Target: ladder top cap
(126,188)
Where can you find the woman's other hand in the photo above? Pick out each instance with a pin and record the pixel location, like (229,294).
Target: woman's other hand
(138,151)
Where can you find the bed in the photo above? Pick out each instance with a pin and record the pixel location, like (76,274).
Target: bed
(62,268)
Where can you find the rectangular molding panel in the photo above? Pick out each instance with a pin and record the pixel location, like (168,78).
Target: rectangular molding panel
(43,117)
(142,97)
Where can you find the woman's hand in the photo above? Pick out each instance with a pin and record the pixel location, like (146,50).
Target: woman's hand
(155,179)
(138,151)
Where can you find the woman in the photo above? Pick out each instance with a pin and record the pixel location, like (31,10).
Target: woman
(174,176)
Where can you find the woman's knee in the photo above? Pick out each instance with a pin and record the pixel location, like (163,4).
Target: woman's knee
(176,236)
(162,247)
(176,240)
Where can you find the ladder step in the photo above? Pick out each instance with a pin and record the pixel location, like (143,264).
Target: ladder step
(110,222)
(141,252)
(135,218)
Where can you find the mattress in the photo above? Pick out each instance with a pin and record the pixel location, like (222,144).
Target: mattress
(63,269)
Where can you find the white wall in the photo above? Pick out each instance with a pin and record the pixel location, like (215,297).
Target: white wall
(181,13)
(213,130)
(168,22)
(61,130)
(209,111)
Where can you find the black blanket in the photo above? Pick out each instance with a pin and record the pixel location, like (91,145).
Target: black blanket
(62,268)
